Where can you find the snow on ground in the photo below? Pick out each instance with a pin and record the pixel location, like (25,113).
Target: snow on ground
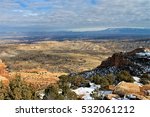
(105,92)
(143,54)
(86,91)
(137,80)
(41,94)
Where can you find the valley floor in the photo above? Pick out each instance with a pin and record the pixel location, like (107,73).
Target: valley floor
(43,62)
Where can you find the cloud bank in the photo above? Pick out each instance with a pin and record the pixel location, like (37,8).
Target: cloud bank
(52,15)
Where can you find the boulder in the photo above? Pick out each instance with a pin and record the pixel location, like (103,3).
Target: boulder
(109,87)
(112,96)
(140,97)
(145,87)
(124,88)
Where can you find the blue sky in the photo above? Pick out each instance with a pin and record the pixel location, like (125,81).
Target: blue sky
(56,15)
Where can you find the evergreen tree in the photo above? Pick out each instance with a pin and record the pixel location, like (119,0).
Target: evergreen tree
(20,90)
(124,76)
(52,93)
(3,92)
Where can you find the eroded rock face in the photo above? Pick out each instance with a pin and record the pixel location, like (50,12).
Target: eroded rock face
(116,60)
(38,78)
(124,88)
(3,71)
(4,75)
(136,62)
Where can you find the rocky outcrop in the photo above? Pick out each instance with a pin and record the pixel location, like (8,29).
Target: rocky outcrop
(116,60)
(4,75)
(145,88)
(3,71)
(136,62)
(109,87)
(38,78)
(131,91)
(124,88)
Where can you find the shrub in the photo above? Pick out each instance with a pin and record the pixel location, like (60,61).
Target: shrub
(20,90)
(96,95)
(110,78)
(124,76)
(52,93)
(99,80)
(17,90)
(70,95)
(145,79)
(3,92)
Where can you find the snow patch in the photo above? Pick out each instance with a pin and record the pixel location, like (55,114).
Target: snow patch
(137,81)
(86,91)
(143,54)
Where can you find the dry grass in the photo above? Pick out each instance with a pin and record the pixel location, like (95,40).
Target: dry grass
(61,56)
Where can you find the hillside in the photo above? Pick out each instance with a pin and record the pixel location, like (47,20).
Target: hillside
(124,75)
(97,69)
(136,62)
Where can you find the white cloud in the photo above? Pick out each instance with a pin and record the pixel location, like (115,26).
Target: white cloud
(76,13)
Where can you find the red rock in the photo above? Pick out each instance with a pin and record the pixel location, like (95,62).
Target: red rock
(111,96)
(120,59)
(132,62)
(4,81)
(140,97)
(116,60)
(145,87)
(110,87)
(124,88)
(3,71)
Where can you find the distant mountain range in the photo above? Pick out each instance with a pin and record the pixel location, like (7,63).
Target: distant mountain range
(137,31)
(110,33)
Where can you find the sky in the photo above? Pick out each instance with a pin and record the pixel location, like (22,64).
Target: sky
(73,15)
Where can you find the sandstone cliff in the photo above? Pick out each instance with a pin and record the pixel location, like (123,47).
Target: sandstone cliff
(4,75)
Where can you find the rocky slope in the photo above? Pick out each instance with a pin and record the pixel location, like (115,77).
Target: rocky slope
(38,78)
(129,91)
(137,62)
